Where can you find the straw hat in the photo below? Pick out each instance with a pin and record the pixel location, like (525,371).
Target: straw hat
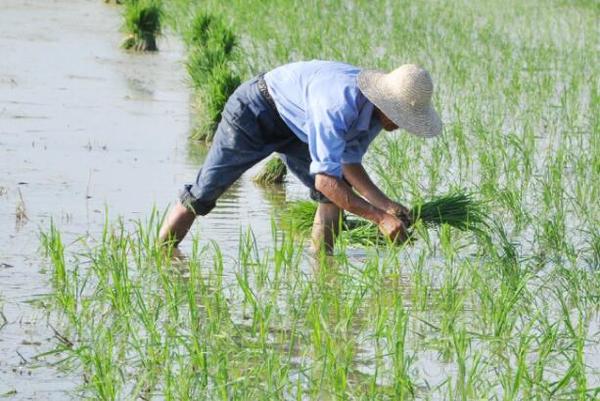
(404,96)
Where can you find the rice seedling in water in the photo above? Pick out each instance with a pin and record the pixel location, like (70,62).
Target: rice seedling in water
(207,30)
(210,45)
(142,24)
(202,63)
(273,172)
(221,83)
(21,211)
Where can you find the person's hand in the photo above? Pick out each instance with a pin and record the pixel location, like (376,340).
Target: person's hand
(399,210)
(393,228)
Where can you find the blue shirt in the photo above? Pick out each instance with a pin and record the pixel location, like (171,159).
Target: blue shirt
(321,103)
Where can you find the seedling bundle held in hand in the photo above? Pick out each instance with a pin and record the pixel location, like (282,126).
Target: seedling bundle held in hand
(457,209)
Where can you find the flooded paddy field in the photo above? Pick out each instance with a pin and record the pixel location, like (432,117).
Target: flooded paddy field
(93,139)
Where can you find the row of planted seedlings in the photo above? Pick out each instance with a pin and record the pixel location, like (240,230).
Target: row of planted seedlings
(392,326)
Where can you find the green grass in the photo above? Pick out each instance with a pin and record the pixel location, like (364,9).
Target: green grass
(142,24)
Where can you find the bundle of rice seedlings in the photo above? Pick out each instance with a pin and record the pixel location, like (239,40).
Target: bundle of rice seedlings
(210,44)
(273,172)
(142,24)
(217,89)
(202,62)
(299,215)
(209,31)
(457,209)
(196,33)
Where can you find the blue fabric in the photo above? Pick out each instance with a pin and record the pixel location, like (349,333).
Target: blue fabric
(249,131)
(321,103)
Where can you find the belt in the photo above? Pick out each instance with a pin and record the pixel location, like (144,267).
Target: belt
(264,91)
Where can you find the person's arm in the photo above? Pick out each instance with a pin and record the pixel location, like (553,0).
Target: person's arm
(340,193)
(358,177)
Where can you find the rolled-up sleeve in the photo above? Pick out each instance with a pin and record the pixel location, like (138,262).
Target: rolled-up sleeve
(327,127)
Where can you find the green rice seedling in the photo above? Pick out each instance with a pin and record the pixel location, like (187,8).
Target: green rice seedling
(142,24)
(210,31)
(593,254)
(467,377)
(421,285)
(66,284)
(273,172)
(457,209)
(201,64)
(219,86)
(196,34)
(211,54)
(211,44)
(547,343)
(299,216)
(514,378)
(396,337)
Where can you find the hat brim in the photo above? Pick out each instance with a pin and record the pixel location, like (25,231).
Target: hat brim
(420,121)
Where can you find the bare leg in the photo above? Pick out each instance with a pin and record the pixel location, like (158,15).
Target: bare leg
(176,225)
(325,227)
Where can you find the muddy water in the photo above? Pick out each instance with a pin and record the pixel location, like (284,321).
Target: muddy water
(84,127)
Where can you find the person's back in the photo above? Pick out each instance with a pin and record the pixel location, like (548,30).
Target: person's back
(294,86)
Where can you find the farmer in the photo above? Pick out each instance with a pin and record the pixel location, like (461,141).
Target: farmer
(320,116)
